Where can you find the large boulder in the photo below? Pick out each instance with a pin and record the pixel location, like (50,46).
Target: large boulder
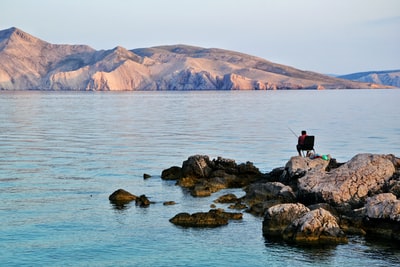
(261,196)
(298,166)
(279,217)
(196,166)
(315,226)
(383,206)
(348,184)
(266,191)
(296,223)
(383,216)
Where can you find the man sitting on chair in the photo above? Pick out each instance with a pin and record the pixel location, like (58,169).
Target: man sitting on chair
(300,142)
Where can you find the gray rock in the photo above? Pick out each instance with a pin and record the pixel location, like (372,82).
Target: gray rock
(316,226)
(383,206)
(348,184)
(279,217)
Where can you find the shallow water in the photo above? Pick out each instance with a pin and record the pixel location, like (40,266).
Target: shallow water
(63,154)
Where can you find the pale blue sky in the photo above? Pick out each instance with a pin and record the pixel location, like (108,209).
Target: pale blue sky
(327,36)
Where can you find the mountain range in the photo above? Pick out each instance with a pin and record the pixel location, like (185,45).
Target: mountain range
(29,63)
(388,77)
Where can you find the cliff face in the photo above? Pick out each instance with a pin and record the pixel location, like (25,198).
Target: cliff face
(28,63)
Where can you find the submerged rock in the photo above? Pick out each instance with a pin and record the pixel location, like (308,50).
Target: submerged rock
(227,198)
(213,218)
(142,201)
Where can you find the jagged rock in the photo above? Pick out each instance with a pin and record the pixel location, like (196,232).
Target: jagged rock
(315,226)
(261,196)
(383,216)
(296,223)
(121,196)
(256,193)
(204,176)
(298,166)
(383,206)
(350,183)
(279,217)
(196,166)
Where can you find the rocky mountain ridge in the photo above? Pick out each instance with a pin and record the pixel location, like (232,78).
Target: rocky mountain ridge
(389,77)
(28,63)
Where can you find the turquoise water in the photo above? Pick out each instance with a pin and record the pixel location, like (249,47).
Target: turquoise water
(63,154)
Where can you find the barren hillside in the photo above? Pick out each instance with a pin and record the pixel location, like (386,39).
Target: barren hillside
(28,63)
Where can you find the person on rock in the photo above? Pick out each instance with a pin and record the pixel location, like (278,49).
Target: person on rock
(300,141)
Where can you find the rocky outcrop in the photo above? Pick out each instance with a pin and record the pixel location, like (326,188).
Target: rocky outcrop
(28,63)
(297,223)
(383,216)
(316,226)
(350,184)
(279,217)
(307,201)
(356,194)
(261,196)
(204,176)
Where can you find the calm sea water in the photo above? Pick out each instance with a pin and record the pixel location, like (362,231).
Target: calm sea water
(63,154)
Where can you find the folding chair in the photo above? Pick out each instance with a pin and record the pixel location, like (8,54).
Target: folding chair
(308,145)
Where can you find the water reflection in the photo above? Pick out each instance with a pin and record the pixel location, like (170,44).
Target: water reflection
(315,254)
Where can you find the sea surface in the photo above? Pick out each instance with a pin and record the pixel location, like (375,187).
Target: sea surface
(63,153)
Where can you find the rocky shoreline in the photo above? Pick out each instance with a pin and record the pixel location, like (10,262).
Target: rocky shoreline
(306,201)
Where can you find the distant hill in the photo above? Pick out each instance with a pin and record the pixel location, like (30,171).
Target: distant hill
(389,77)
(28,63)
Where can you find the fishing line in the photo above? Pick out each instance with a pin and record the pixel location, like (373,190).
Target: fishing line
(293,132)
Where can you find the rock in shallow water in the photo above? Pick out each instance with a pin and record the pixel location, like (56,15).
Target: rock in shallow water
(296,223)
(121,196)
(213,218)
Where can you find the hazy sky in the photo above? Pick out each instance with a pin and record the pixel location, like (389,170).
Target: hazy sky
(327,36)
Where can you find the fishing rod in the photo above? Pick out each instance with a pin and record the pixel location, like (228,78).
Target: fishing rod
(293,132)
